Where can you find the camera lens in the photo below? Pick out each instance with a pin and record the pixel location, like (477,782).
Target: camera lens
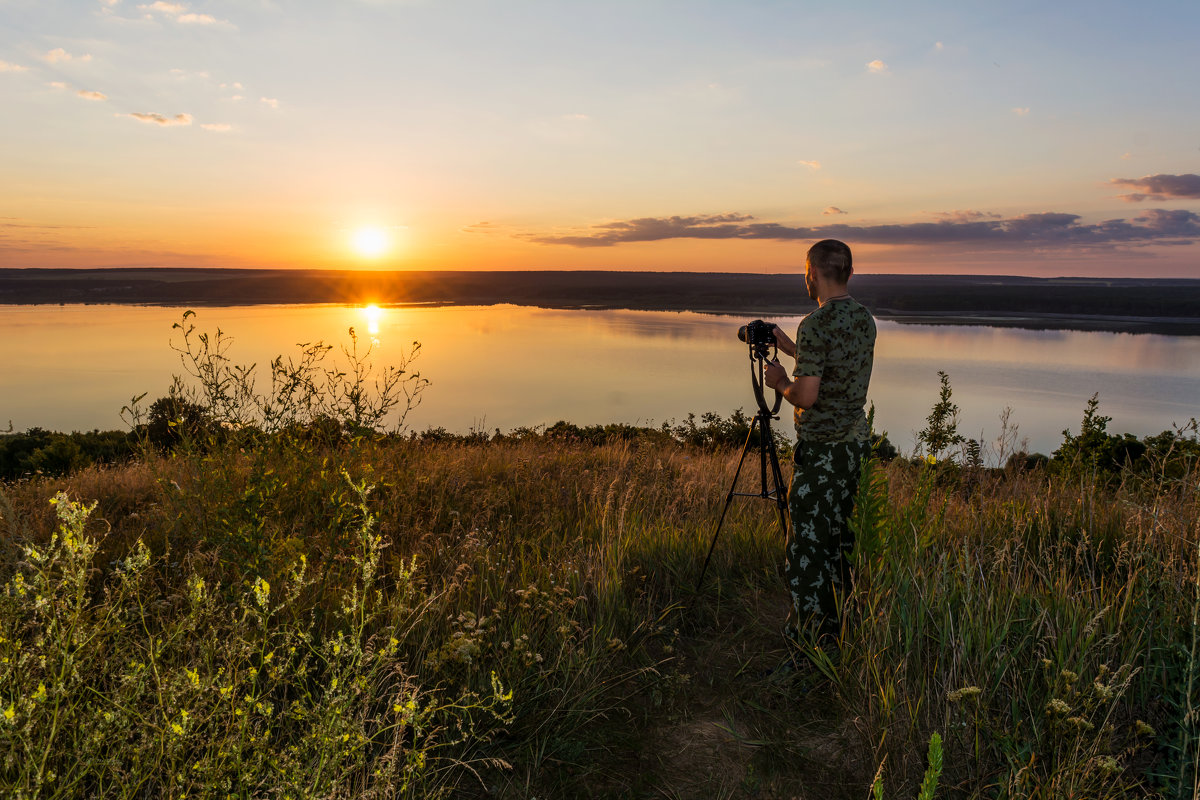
(742,333)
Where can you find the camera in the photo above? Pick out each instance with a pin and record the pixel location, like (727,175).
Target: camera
(759,335)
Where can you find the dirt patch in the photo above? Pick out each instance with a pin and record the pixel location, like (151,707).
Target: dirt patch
(740,728)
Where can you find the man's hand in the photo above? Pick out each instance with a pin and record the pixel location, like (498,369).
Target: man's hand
(775,376)
(801,392)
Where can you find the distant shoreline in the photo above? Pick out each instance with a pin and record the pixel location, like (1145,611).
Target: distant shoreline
(1130,305)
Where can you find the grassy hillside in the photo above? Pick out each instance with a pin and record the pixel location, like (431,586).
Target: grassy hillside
(329,616)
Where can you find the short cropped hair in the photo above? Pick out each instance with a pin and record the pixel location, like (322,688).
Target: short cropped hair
(832,259)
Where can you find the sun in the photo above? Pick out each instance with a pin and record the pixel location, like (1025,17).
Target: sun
(371,242)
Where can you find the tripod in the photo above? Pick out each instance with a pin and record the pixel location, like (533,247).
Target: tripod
(767,457)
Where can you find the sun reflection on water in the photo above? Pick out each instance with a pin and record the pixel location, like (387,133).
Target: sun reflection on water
(374,315)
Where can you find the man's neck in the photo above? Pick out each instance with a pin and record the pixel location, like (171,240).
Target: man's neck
(832,293)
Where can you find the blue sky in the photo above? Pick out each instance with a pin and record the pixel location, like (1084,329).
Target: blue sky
(1024,138)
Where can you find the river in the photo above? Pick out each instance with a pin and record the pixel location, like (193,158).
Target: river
(74,367)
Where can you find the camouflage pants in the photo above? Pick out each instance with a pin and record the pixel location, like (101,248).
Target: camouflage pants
(821,500)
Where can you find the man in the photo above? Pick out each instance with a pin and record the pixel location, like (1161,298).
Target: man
(834,351)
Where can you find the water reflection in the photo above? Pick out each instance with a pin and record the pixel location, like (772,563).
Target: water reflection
(373,314)
(73,367)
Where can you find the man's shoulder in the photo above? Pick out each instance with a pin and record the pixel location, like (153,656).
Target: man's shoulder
(840,314)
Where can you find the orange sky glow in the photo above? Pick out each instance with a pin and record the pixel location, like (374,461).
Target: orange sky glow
(933,139)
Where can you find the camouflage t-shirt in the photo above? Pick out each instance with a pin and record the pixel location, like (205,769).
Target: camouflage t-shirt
(837,343)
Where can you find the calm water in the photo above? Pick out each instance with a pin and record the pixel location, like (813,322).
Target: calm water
(73,367)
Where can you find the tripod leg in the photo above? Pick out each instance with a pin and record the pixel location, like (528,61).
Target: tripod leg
(728,500)
(781,491)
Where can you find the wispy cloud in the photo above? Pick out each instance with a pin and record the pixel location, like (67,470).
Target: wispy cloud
(160,119)
(1021,112)
(216,127)
(180,13)
(7,67)
(877,67)
(88,95)
(270,101)
(1161,187)
(810,164)
(832,211)
(58,55)
(965,215)
(1041,229)
(58,84)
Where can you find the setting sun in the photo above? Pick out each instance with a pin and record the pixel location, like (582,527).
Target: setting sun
(371,242)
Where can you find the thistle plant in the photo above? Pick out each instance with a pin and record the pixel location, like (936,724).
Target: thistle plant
(303,389)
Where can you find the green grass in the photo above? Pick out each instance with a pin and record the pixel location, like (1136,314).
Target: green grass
(518,618)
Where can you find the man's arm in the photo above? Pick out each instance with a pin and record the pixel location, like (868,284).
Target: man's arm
(784,342)
(801,392)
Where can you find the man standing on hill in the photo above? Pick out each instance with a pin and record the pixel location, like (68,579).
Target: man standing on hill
(834,352)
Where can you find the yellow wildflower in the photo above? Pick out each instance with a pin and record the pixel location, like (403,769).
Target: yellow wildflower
(262,592)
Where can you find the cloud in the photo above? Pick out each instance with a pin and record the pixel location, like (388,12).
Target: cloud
(216,127)
(270,101)
(832,211)
(7,67)
(810,164)
(159,119)
(165,8)
(180,13)
(1021,112)
(86,95)
(966,215)
(975,229)
(877,67)
(58,84)
(1161,187)
(939,46)
(480,227)
(237,98)
(58,54)
(1126,156)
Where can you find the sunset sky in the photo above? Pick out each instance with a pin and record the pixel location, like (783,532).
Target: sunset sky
(1012,138)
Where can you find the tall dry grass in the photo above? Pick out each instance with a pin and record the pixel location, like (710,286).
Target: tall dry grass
(513,617)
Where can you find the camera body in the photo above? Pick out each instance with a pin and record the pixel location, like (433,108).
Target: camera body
(759,335)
